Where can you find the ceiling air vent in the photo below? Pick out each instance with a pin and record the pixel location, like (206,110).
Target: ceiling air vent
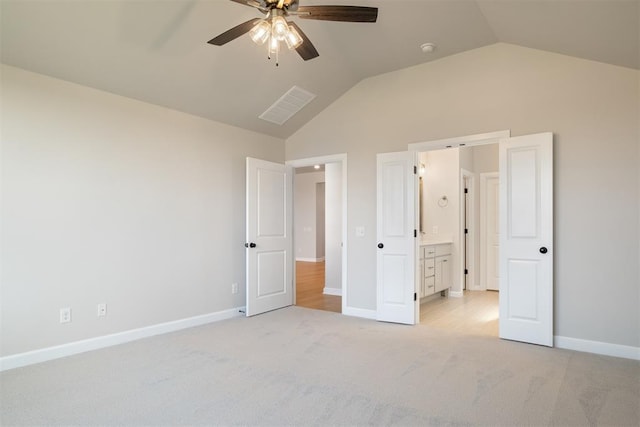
(289,104)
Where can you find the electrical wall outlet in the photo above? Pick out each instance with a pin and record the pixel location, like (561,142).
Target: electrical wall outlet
(234,288)
(65,315)
(102,309)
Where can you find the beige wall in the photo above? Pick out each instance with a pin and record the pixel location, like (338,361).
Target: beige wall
(441,179)
(305,213)
(485,158)
(333,227)
(592,109)
(110,200)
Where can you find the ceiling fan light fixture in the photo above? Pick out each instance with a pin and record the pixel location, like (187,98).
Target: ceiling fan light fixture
(274,46)
(293,38)
(260,32)
(279,28)
(273,28)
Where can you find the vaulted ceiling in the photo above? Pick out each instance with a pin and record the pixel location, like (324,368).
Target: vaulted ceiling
(156,51)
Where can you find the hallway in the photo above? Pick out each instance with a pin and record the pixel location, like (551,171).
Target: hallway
(310,285)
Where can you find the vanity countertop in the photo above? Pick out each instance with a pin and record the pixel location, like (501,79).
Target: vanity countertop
(435,241)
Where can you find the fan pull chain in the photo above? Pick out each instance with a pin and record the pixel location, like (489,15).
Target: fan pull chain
(277,59)
(277,50)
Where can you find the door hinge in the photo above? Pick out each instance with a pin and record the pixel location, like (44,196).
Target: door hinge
(415,170)
(466,271)
(415,233)
(466,231)
(466,190)
(415,296)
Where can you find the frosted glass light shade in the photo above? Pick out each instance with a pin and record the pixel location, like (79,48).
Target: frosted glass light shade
(274,45)
(260,32)
(293,38)
(279,28)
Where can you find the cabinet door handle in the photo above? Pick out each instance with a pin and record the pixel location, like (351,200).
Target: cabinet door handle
(543,250)
(380,245)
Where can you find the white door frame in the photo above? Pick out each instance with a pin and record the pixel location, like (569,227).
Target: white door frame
(311,161)
(470,256)
(462,141)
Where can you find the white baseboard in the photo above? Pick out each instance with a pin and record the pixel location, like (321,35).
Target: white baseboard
(310,259)
(597,347)
(456,294)
(332,291)
(359,312)
(63,350)
(431,297)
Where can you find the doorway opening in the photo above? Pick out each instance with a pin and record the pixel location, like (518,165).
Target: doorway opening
(453,226)
(525,228)
(315,236)
(319,240)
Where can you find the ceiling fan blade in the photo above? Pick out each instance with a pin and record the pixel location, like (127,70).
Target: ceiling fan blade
(233,33)
(252,3)
(339,13)
(306,50)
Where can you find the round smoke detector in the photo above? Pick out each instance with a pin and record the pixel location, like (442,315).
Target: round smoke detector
(428,47)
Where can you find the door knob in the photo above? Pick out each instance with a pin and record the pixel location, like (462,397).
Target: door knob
(380,245)
(250,245)
(543,250)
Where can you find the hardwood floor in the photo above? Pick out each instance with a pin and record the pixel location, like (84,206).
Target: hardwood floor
(309,287)
(476,313)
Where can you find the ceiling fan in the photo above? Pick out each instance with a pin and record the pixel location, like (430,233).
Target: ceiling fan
(274,28)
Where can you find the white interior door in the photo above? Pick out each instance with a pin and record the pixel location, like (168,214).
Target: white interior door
(396,231)
(491,248)
(269,242)
(526,238)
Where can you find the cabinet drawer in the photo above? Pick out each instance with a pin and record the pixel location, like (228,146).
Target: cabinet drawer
(442,250)
(429,285)
(429,267)
(428,251)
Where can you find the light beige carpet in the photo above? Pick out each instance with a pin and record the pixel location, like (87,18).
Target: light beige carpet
(303,367)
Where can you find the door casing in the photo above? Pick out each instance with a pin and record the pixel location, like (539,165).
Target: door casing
(311,161)
(468,211)
(463,141)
